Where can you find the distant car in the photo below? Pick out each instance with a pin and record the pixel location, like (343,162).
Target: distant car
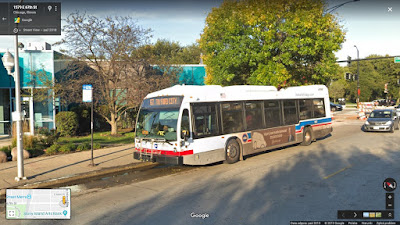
(382,120)
(336,107)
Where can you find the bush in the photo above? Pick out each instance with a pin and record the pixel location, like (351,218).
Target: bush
(52,149)
(83,146)
(66,148)
(7,150)
(96,146)
(43,131)
(28,141)
(67,123)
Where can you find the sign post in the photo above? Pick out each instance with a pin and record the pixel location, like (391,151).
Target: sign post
(87,96)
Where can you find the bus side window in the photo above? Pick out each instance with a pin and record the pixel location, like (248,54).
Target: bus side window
(205,120)
(232,117)
(185,124)
(254,114)
(306,109)
(273,115)
(290,112)
(319,108)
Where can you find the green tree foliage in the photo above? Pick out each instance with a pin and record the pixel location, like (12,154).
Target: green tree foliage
(168,55)
(374,74)
(271,42)
(171,52)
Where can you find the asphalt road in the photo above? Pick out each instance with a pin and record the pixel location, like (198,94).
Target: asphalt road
(344,171)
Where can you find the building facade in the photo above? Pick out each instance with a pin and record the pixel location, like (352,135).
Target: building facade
(37,67)
(39,64)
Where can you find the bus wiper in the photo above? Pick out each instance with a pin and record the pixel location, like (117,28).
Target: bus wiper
(168,142)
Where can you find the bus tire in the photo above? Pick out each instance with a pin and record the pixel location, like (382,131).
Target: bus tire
(232,151)
(307,136)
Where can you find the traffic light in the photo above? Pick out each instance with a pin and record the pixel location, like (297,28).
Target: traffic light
(355,76)
(348,60)
(347,76)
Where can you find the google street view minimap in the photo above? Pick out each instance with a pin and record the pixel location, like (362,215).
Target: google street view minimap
(276,112)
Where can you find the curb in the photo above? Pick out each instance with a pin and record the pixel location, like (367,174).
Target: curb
(62,181)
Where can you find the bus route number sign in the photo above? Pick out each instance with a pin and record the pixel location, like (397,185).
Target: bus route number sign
(171,101)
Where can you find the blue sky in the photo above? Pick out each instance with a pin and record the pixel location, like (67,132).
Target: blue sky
(368,23)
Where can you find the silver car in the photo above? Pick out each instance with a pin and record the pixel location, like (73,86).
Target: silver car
(382,120)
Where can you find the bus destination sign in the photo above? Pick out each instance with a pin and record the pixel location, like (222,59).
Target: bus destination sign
(167,101)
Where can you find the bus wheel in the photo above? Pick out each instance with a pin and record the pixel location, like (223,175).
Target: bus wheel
(232,151)
(307,136)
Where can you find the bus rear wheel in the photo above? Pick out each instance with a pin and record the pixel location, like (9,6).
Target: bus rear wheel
(232,151)
(307,136)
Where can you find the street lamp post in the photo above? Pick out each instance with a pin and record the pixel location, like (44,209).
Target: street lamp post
(358,75)
(9,62)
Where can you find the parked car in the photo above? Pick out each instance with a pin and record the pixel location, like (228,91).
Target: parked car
(382,120)
(336,107)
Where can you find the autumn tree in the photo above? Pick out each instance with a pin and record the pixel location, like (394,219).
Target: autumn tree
(110,48)
(275,42)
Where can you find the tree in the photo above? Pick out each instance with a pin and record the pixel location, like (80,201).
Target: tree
(374,74)
(270,43)
(108,56)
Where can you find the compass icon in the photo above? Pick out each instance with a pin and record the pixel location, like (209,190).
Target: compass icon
(389,184)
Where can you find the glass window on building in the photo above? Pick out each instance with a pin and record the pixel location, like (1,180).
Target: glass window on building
(5,116)
(43,112)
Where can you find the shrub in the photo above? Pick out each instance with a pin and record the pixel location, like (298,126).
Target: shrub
(52,149)
(7,150)
(43,131)
(67,123)
(28,141)
(66,148)
(83,146)
(96,146)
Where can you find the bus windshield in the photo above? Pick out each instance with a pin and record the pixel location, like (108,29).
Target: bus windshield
(157,123)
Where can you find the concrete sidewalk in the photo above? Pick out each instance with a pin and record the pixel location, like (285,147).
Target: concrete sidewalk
(73,166)
(5,141)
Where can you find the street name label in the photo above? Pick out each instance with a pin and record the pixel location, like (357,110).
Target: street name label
(38,204)
(396,59)
(33,18)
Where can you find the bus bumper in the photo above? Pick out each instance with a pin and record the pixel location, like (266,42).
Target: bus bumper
(171,160)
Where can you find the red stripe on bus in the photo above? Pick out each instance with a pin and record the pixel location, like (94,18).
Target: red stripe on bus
(164,152)
(316,125)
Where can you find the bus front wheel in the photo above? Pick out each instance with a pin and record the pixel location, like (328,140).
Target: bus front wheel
(307,136)
(232,151)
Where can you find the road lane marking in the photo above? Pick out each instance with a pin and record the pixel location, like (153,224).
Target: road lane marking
(339,171)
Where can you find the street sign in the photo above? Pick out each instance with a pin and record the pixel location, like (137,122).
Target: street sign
(396,59)
(87,93)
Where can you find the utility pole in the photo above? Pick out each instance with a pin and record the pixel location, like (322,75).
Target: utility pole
(358,76)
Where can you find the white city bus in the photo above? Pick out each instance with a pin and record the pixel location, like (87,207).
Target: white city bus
(197,125)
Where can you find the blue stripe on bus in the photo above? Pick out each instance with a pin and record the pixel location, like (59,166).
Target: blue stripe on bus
(312,122)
